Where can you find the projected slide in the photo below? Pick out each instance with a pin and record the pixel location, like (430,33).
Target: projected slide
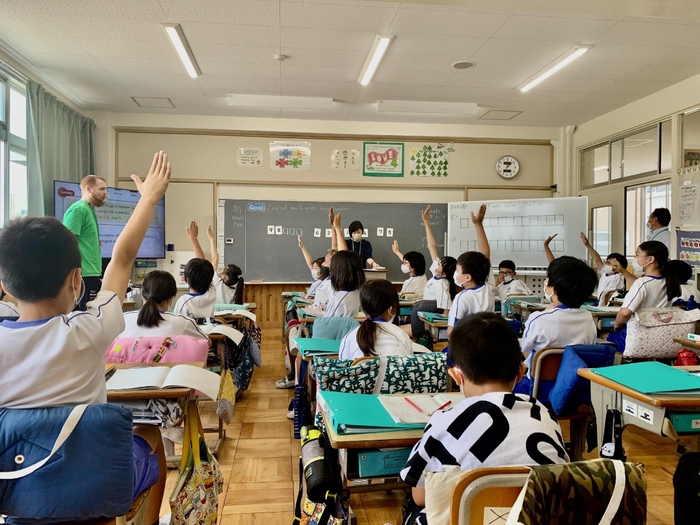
(112,217)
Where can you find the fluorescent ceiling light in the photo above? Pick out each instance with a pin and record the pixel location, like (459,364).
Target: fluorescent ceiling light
(182,48)
(601,168)
(275,101)
(563,61)
(376,54)
(414,106)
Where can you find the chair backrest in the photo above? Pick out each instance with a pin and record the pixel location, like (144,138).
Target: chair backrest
(482,488)
(545,367)
(158,349)
(238,294)
(333,327)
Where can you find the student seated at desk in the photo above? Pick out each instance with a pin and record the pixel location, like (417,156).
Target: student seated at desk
(492,427)
(153,319)
(199,301)
(413,264)
(473,269)
(318,271)
(227,280)
(53,355)
(507,284)
(347,276)
(612,271)
(570,281)
(7,309)
(685,273)
(655,289)
(325,290)
(377,335)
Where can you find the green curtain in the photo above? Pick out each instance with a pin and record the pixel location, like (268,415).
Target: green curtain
(59,147)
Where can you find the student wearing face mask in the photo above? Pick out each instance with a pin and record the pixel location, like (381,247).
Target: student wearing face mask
(413,264)
(507,284)
(612,272)
(377,335)
(655,289)
(360,246)
(476,296)
(658,222)
(318,271)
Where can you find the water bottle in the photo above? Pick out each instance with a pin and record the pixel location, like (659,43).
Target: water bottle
(316,472)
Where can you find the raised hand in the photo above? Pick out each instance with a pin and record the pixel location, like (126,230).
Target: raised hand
(210,233)
(479,217)
(425,214)
(549,239)
(395,247)
(157,179)
(330,216)
(192,230)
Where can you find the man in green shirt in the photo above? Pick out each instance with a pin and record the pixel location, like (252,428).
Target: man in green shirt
(80,218)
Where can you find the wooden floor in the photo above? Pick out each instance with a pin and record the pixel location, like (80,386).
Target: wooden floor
(260,461)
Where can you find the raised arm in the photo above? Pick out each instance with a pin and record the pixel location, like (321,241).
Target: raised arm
(591,251)
(192,232)
(306,254)
(396,250)
(629,276)
(127,246)
(214,248)
(340,238)
(547,251)
(432,243)
(482,240)
(334,241)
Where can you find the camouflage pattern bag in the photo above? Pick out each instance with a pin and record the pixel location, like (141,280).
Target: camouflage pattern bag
(601,491)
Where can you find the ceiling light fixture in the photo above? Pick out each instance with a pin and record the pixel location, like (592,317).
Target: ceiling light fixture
(277,101)
(182,48)
(600,168)
(376,54)
(560,63)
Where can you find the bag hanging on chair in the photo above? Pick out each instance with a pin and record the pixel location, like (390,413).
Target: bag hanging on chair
(650,331)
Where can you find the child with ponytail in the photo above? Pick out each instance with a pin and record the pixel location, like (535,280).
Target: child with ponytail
(655,289)
(158,294)
(377,335)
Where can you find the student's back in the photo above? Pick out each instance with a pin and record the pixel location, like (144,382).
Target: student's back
(347,276)
(473,270)
(171,324)
(199,301)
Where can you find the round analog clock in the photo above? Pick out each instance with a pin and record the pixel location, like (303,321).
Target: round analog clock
(507,167)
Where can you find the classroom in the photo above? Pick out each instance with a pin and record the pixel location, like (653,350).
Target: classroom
(349,202)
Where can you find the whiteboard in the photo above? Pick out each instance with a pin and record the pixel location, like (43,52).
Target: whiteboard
(517,229)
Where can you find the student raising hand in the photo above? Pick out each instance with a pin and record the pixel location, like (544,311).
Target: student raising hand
(192,230)
(210,233)
(476,219)
(547,250)
(425,214)
(396,250)
(330,217)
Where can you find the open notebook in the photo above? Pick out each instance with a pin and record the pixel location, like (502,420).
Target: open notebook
(418,408)
(152,377)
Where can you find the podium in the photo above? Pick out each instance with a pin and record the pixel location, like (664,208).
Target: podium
(375,274)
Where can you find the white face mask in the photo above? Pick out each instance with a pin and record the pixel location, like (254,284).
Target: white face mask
(508,280)
(77,298)
(357,237)
(607,270)
(314,274)
(548,296)
(404,268)
(462,284)
(638,268)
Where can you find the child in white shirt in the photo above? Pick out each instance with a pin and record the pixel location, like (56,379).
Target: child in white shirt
(158,292)
(347,276)
(377,335)
(685,273)
(413,264)
(63,347)
(476,296)
(507,284)
(612,271)
(491,427)
(198,302)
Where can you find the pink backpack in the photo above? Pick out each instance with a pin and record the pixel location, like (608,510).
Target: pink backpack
(158,349)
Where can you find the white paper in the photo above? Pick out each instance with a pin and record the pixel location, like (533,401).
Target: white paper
(249,157)
(290,156)
(345,160)
(186,376)
(402,412)
(688,203)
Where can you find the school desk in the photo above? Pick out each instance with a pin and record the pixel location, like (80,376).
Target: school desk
(371,275)
(128,306)
(687,343)
(437,329)
(525,308)
(651,412)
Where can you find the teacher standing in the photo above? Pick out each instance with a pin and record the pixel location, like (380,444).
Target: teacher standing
(658,222)
(81,219)
(360,246)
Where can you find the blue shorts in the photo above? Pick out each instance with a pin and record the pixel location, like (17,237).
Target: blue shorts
(619,339)
(145,466)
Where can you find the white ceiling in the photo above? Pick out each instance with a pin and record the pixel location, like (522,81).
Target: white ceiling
(100,53)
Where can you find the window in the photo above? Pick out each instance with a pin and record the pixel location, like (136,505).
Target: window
(601,231)
(14,200)
(641,201)
(640,153)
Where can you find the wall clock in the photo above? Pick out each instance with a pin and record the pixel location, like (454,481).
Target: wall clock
(507,167)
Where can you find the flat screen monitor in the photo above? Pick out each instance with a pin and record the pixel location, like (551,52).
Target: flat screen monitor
(112,217)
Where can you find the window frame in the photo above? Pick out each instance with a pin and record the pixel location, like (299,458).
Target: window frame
(9,141)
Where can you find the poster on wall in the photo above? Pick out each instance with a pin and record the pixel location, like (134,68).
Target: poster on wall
(290,156)
(345,159)
(688,244)
(428,162)
(249,157)
(382,159)
(688,203)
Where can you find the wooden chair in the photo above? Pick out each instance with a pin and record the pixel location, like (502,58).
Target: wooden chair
(482,488)
(545,367)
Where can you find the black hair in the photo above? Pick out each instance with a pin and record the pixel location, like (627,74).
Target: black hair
(659,252)
(232,273)
(572,279)
(619,258)
(662,215)
(355,226)
(475,264)
(2,294)
(158,286)
(376,297)
(449,266)
(485,349)
(199,274)
(323,271)
(37,254)
(417,262)
(508,264)
(681,268)
(347,274)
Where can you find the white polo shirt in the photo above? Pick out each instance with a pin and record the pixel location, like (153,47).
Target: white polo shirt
(344,304)
(414,284)
(472,301)
(196,305)
(314,287)
(559,327)
(224,293)
(687,290)
(59,360)
(646,292)
(391,340)
(514,287)
(662,235)
(170,325)
(324,292)
(606,283)
(8,310)
(437,289)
